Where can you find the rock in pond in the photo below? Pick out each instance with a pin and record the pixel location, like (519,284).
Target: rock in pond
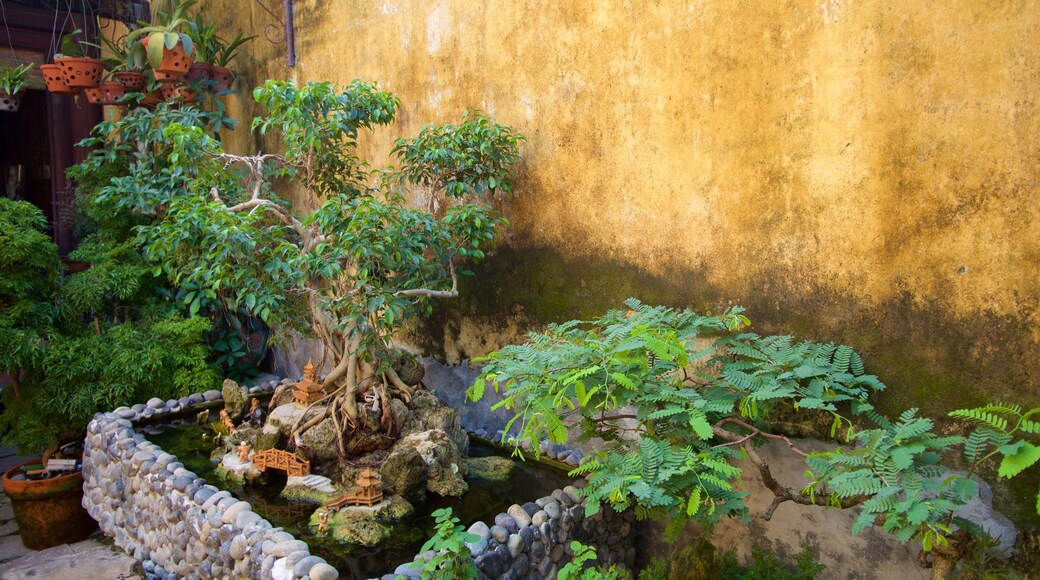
(493,468)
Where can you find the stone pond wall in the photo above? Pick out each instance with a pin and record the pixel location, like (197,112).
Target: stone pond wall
(169,518)
(533,540)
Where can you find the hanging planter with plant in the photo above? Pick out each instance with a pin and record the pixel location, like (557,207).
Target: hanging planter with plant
(125,62)
(169,52)
(55,81)
(12,81)
(222,57)
(78,70)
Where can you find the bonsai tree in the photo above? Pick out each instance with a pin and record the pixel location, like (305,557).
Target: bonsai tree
(676,396)
(359,266)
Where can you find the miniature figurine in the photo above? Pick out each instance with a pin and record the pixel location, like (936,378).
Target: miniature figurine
(256,413)
(226,420)
(370,492)
(323,522)
(243,451)
(308,390)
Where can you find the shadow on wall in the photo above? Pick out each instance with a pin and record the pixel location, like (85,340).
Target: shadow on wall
(928,358)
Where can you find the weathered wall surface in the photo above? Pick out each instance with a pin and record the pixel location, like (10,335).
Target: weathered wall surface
(863,171)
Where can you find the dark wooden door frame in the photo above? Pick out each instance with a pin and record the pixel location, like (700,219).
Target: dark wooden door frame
(69,120)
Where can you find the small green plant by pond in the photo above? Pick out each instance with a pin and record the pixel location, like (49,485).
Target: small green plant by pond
(677,396)
(451,559)
(575,569)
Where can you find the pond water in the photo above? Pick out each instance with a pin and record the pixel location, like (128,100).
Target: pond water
(484,501)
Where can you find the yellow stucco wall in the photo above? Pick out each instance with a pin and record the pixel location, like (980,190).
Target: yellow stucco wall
(854,170)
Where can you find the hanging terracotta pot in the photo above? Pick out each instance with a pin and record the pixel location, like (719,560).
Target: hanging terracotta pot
(199,73)
(169,91)
(80,71)
(175,62)
(111,93)
(132,81)
(55,81)
(93,96)
(222,79)
(152,99)
(9,103)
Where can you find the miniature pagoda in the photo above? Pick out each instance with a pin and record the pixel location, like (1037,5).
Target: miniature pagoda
(309,390)
(369,493)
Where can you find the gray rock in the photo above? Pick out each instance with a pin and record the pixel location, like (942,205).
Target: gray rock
(236,399)
(519,515)
(233,510)
(138,407)
(211,395)
(515,545)
(322,571)
(283,549)
(404,473)
(495,562)
(238,547)
(539,518)
(245,518)
(522,565)
(552,509)
(506,521)
(127,413)
(303,567)
(499,533)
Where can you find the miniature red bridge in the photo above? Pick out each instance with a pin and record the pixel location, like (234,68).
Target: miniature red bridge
(290,463)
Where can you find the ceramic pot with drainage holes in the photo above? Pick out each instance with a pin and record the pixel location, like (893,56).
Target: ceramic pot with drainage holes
(80,72)
(93,96)
(175,62)
(55,81)
(222,79)
(111,93)
(132,81)
(9,103)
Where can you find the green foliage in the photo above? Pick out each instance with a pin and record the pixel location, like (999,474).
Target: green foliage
(451,560)
(164,33)
(576,570)
(65,369)
(14,78)
(470,158)
(657,569)
(676,396)
(765,565)
(998,426)
(28,287)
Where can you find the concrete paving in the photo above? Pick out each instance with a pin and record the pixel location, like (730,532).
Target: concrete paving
(93,558)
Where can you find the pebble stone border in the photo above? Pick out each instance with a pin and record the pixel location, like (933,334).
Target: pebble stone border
(532,541)
(170,519)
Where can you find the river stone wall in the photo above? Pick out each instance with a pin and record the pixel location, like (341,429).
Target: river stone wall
(170,519)
(532,540)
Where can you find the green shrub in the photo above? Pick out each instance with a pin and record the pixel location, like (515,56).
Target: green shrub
(765,565)
(451,559)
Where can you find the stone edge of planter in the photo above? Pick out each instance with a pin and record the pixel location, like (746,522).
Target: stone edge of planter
(170,519)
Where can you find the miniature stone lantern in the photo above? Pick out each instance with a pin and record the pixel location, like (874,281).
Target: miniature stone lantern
(309,390)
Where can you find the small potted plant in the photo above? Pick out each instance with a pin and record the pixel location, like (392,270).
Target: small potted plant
(78,70)
(169,51)
(222,57)
(207,43)
(12,81)
(124,61)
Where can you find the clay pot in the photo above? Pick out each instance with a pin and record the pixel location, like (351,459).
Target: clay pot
(111,93)
(80,72)
(55,81)
(198,74)
(93,95)
(9,103)
(134,82)
(169,91)
(49,512)
(175,62)
(222,79)
(152,99)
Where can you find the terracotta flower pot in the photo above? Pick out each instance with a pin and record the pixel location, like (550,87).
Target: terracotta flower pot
(152,99)
(111,93)
(93,95)
(175,62)
(49,512)
(199,73)
(80,71)
(132,81)
(9,103)
(55,81)
(169,91)
(222,79)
